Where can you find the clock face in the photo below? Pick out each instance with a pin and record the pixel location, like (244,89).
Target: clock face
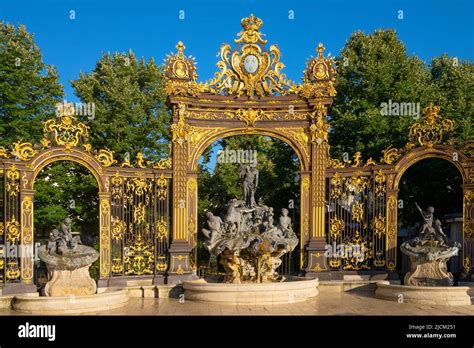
(250,64)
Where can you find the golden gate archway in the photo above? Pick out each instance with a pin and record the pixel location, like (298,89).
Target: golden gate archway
(148,209)
(249,95)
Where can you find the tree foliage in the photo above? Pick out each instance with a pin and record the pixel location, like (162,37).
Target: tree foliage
(452,83)
(66,189)
(130,111)
(29,88)
(374,69)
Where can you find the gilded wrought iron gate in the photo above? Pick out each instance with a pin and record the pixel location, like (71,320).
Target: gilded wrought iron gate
(139,225)
(356,221)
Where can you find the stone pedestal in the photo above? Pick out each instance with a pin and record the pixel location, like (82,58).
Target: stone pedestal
(428,273)
(76,282)
(68,273)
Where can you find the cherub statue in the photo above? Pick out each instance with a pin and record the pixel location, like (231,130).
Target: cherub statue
(285,222)
(62,241)
(66,231)
(427,230)
(53,241)
(269,215)
(441,237)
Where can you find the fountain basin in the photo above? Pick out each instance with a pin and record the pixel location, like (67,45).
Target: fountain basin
(82,256)
(424,295)
(70,304)
(294,289)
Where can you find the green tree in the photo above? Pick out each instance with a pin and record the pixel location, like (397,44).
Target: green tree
(130,111)
(66,189)
(29,88)
(371,70)
(453,84)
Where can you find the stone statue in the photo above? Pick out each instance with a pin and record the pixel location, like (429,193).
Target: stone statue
(427,226)
(62,241)
(248,243)
(67,262)
(285,221)
(429,252)
(249,176)
(269,217)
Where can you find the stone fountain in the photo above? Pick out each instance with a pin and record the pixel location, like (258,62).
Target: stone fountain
(67,262)
(250,245)
(70,288)
(429,281)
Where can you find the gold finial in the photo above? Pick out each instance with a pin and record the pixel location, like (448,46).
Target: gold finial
(180,47)
(251,34)
(251,23)
(430,113)
(320,50)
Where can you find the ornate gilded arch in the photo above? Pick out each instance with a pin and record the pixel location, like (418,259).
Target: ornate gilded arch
(446,152)
(66,139)
(296,137)
(74,155)
(249,94)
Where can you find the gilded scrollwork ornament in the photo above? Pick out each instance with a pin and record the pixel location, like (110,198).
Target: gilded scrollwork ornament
(357,211)
(181,129)
(13,271)
(24,151)
(391,155)
(106,157)
(251,70)
(161,264)
(161,187)
(162,229)
(117,265)
(319,77)
(336,186)
(140,259)
(337,227)
(65,130)
(361,252)
(250,116)
(118,228)
(320,128)
(380,180)
(4,152)
(181,74)
(432,128)
(13,181)
(12,229)
(379,225)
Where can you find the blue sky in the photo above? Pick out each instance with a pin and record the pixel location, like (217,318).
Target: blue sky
(152,28)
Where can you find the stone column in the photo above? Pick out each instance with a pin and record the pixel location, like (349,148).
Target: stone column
(317,265)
